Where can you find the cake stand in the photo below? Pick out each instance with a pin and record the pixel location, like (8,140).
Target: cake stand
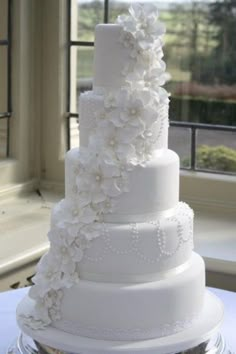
(25,345)
(203,337)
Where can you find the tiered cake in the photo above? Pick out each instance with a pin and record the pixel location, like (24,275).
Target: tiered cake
(120,266)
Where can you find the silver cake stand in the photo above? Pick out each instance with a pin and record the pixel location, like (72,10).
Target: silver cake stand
(25,345)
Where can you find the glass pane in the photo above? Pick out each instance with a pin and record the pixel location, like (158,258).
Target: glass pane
(200,53)
(85,68)
(3,79)
(81,73)
(3,19)
(180,142)
(90,13)
(118,8)
(74,133)
(216,151)
(3,138)
(85,63)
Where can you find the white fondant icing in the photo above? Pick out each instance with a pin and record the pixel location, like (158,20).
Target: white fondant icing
(202,330)
(134,252)
(134,311)
(91,105)
(152,188)
(110,57)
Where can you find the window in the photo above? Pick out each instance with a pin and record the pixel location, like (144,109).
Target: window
(200,56)
(33,92)
(5,74)
(17,138)
(83,17)
(200,53)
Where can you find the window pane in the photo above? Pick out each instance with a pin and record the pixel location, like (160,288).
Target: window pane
(84,69)
(216,151)
(3,79)
(81,73)
(200,52)
(3,22)
(180,142)
(85,63)
(117,8)
(3,138)
(90,13)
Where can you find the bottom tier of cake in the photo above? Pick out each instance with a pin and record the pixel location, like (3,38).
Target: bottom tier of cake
(201,331)
(135,311)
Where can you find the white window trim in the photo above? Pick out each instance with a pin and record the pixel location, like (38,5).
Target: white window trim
(37,126)
(208,191)
(21,166)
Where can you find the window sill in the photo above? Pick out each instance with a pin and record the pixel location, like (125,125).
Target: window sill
(24,222)
(13,177)
(208,191)
(215,240)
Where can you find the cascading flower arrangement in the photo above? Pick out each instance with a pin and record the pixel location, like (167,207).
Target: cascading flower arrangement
(123,138)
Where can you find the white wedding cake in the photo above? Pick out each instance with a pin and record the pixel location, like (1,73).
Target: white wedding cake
(120,268)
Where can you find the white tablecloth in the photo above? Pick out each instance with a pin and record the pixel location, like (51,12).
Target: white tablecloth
(10,299)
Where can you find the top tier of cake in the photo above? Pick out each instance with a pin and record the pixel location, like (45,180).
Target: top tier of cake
(110,57)
(127,88)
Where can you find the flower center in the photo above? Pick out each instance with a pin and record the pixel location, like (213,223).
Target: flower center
(75,212)
(63,250)
(144,25)
(75,189)
(112,142)
(148,133)
(134,111)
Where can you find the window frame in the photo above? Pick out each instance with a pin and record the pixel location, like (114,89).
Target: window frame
(72,44)
(37,140)
(16,167)
(7,43)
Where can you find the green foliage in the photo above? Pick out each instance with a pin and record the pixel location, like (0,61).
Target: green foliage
(202,110)
(219,66)
(218,158)
(85,63)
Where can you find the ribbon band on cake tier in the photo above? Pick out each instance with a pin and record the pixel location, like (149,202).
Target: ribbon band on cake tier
(136,218)
(133,278)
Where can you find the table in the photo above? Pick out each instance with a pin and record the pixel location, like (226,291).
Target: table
(10,299)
